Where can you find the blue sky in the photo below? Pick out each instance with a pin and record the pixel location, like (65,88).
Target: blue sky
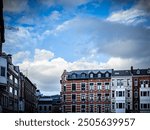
(53,35)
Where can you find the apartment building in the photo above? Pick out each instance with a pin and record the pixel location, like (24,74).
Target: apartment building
(121,91)
(9,84)
(86,91)
(141,90)
(17,92)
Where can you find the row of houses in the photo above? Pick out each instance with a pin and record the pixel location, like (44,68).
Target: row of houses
(106,91)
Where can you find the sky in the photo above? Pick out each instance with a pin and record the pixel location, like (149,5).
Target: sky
(46,37)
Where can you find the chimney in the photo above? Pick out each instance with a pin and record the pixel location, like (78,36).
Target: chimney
(9,58)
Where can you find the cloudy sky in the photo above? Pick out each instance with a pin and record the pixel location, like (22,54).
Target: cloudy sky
(46,37)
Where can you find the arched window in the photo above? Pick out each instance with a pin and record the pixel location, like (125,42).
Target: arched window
(91,75)
(74,76)
(107,74)
(99,75)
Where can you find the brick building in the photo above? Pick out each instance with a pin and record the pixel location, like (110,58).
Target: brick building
(86,91)
(102,91)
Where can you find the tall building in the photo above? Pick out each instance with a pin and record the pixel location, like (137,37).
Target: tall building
(141,90)
(9,85)
(86,91)
(17,92)
(121,91)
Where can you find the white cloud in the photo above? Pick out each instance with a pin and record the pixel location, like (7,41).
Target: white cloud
(67,4)
(21,56)
(16,6)
(41,55)
(55,15)
(47,73)
(131,16)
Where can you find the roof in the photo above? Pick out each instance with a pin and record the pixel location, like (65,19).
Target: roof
(121,73)
(85,74)
(141,71)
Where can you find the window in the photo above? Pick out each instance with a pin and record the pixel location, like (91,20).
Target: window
(145,93)
(107,97)
(3,69)
(99,86)
(64,98)
(136,94)
(74,76)
(45,108)
(83,109)
(64,88)
(107,108)
(10,89)
(91,75)
(40,108)
(16,81)
(113,105)
(11,77)
(120,105)
(113,82)
(99,75)
(91,97)
(73,108)
(120,82)
(113,93)
(146,83)
(99,97)
(16,92)
(128,93)
(83,75)
(83,86)
(91,108)
(50,108)
(91,86)
(107,75)
(128,82)
(135,82)
(83,98)
(107,86)
(73,97)
(73,87)
(145,106)
(128,106)
(99,108)
(119,93)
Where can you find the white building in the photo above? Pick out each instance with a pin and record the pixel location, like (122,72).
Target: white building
(121,91)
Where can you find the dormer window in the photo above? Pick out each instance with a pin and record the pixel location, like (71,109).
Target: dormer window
(107,75)
(99,75)
(91,75)
(83,75)
(148,71)
(74,76)
(138,71)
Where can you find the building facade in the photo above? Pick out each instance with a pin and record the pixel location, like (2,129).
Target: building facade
(17,92)
(49,104)
(103,91)
(86,91)
(141,90)
(9,85)
(121,91)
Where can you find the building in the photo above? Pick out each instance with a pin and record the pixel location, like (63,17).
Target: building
(9,84)
(49,104)
(116,91)
(86,91)
(141,90)
(17,92)
(121,91)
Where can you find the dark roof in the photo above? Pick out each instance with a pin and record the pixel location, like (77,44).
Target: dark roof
(121,73)
(78,74)
(141,71)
